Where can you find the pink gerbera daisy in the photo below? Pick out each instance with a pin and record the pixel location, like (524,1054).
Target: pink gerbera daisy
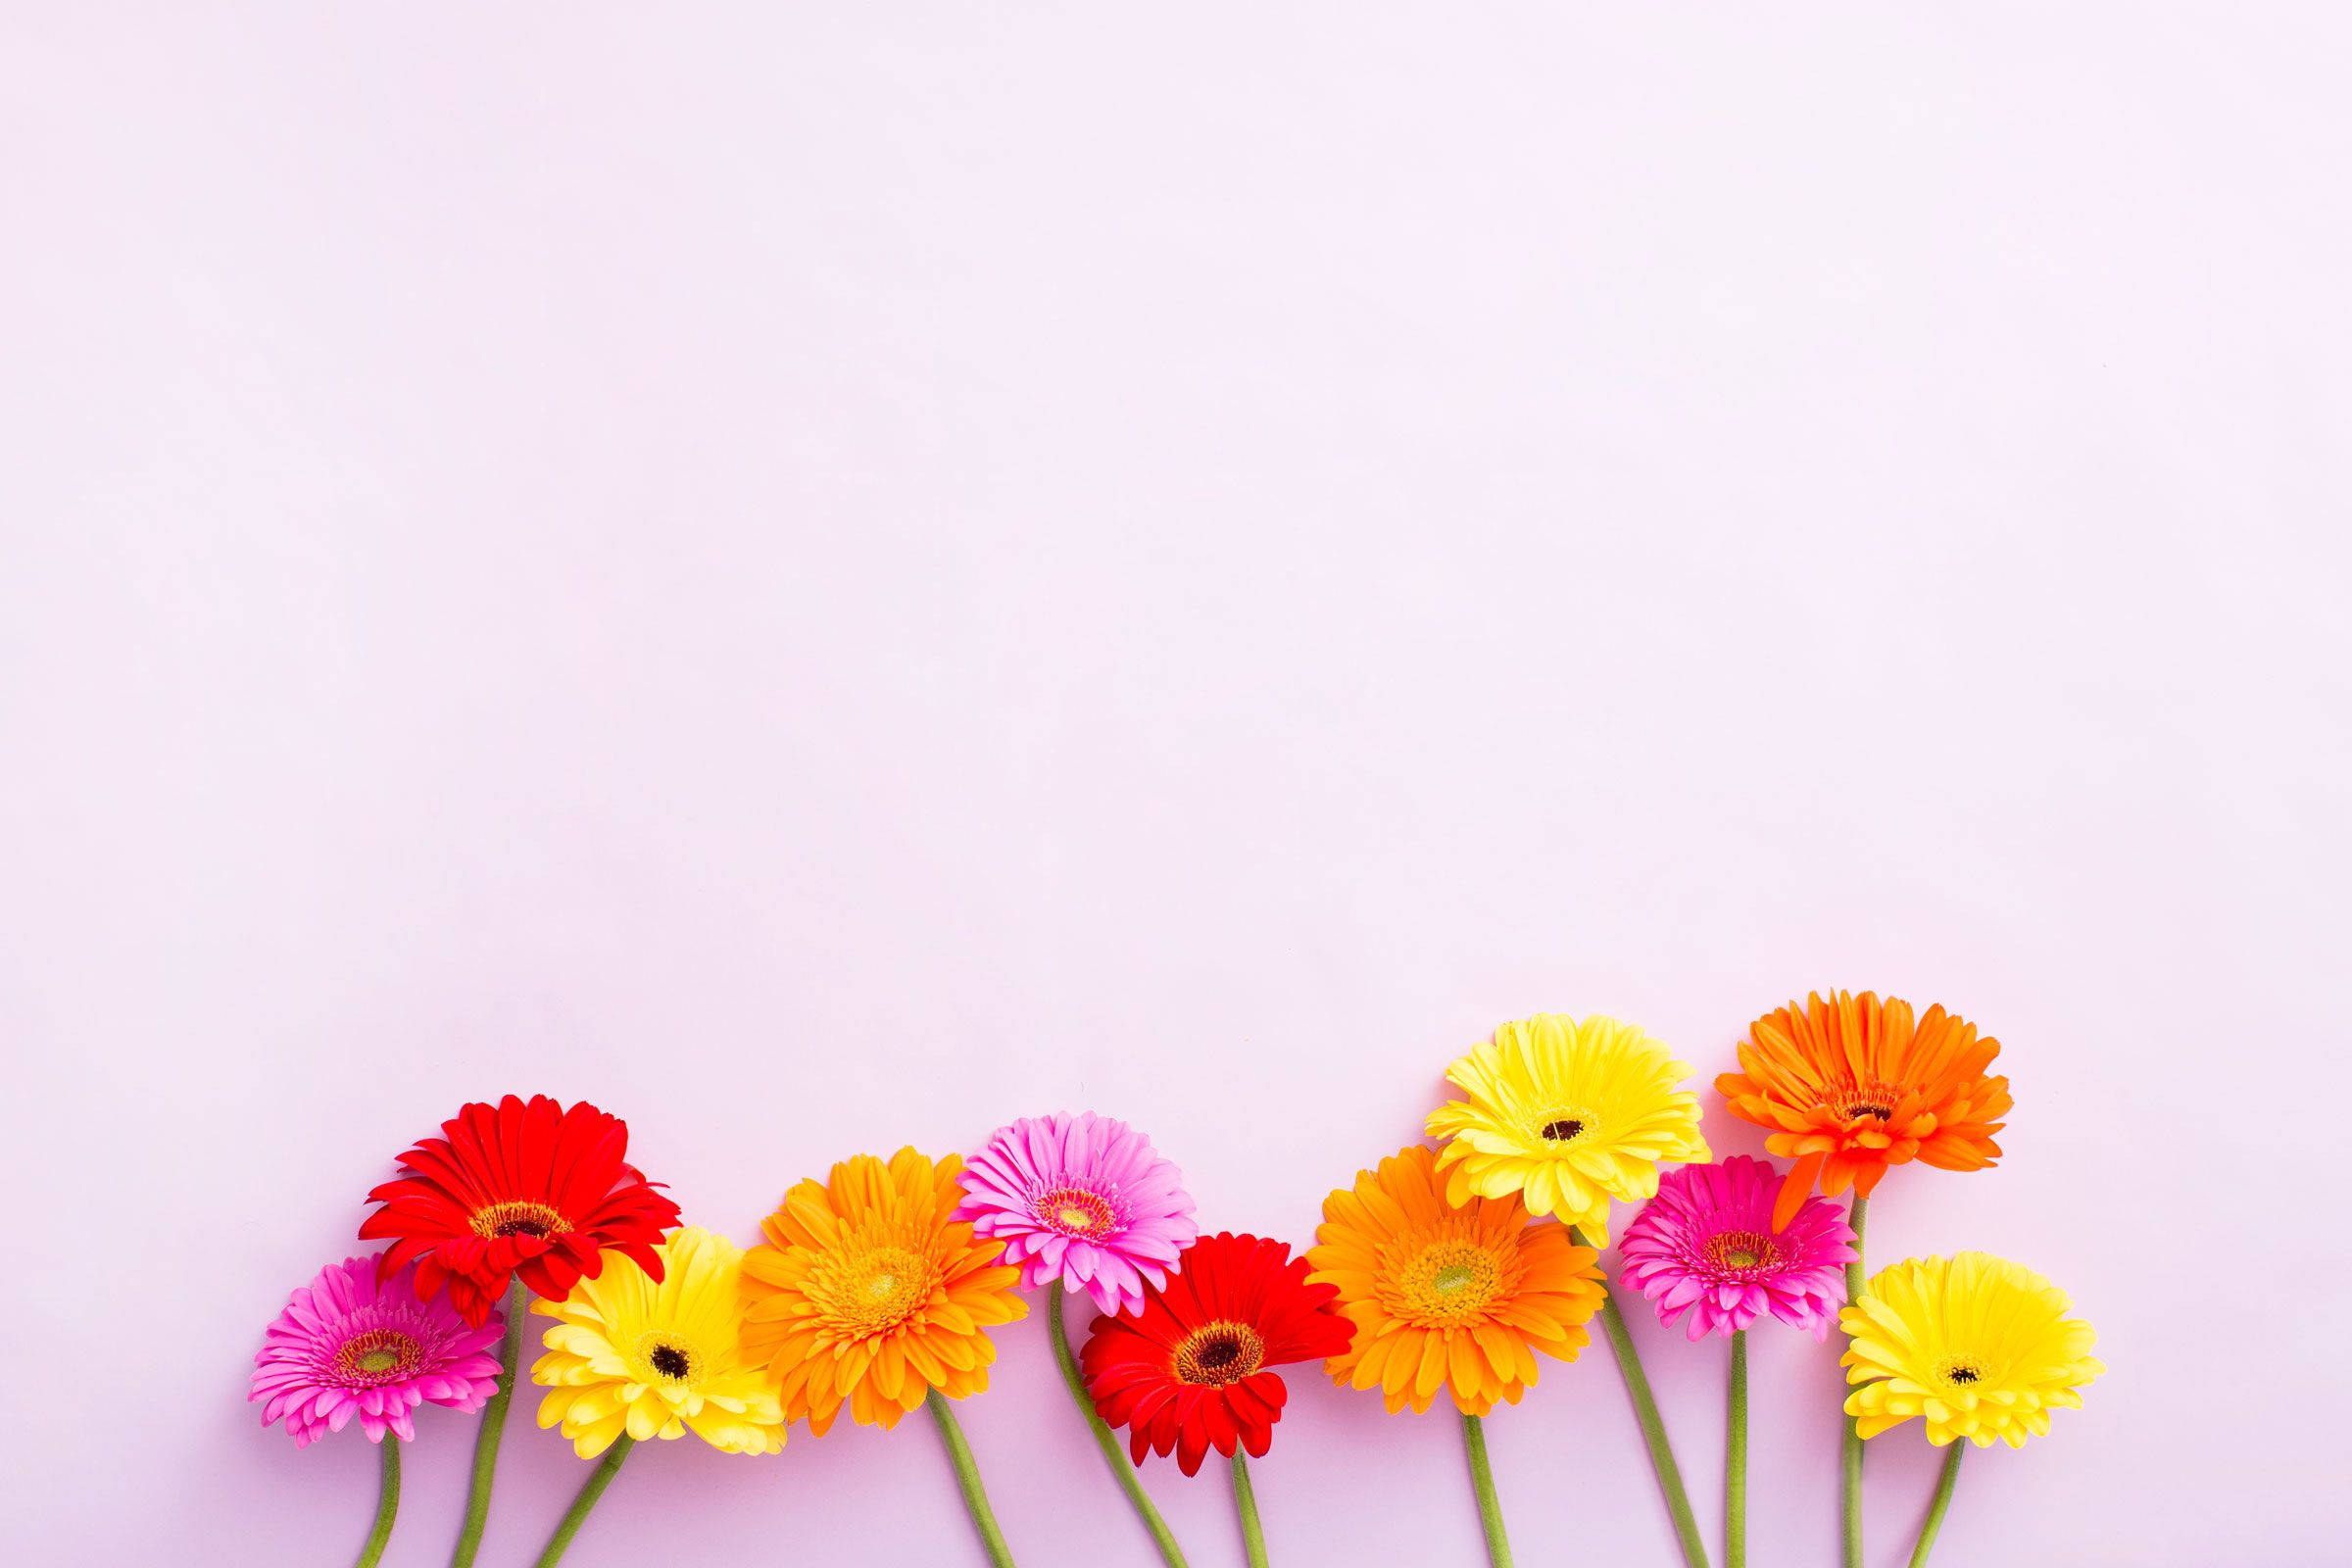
(1081,1199)
(1706,1244)
(347,1346)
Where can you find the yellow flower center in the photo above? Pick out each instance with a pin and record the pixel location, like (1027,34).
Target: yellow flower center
(1448,1282)
(1217,1353)
(1962,1373)
(519,1218)
(1075,1211)
(376,1356)
(1737,1251)
(871,1289)
(1562,1125)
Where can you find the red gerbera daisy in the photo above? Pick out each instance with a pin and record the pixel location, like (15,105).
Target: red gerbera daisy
(510,1189)
(1189,1372)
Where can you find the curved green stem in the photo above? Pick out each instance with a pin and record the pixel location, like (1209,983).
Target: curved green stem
(590,1490)
(1653,1429)
(387,1504)
(1482,1482)
(1938,1508)
(1850,1452)
(491,1433)
(967,1478)
(1735,1459)
(1124,1472)
(1245,1503)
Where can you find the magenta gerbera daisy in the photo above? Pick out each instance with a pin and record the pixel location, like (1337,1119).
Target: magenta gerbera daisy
(1083,1199)
(1706,1244)
(347,1346)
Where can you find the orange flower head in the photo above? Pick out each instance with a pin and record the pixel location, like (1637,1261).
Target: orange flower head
(868,1292)
(1849,1087)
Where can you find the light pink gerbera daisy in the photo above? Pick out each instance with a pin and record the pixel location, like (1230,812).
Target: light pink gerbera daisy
(1083,1199)
(1706,1244)
(346,1346)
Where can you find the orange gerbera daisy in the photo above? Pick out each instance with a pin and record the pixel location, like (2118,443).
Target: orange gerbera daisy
(1447,1298)
(1850,1087)
(866,1293)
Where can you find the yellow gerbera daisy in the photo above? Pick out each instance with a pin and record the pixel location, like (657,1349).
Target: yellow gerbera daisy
(1566,1115)
(1447,1296)
(868,1292)
(1981,1346)
(657,1359)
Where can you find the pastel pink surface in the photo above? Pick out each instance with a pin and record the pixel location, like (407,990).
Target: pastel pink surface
(836,577)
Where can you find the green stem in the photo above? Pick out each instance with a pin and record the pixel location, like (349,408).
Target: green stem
(590,1490)
(1245,1503)
(387,1504)
(1482,1482)
(1124,1472)
(967,1478)
(1735,1459)
(1936,1509)
(1653,1429)
(1850,1452)
(491,1433)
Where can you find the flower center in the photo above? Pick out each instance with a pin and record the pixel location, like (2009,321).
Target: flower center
(874,1289)
(519,1218)
(1217,1353)
(375,1357)
(1864,1107)
(1562,1125)
(1739,1251)
(1448,1282)
(1962,1374)
(1075,1211)
(670,1361)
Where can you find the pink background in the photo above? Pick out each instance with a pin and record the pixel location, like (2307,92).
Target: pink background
(828,581)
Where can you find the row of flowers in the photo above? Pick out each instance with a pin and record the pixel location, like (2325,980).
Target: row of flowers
(1439,1272)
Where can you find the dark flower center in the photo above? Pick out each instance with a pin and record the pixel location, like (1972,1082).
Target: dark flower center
(1963,1374)
(1863,1107)
(669,1360)
(1219,1353)
(519,1217)
(1564,1129)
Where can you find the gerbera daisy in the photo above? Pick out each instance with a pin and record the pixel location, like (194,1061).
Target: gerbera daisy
(1848,1087)
(1083,1200)
(869,1293)
(1569,1115)
(646,1356)
(1446,1296)
(1192,1371)
(1978,1346)
(528,1195)
(1566,1115)
(515,1190)
(1707,1245)
(636,1355)
(1087,1200)
(1449,1297)
(351,1345)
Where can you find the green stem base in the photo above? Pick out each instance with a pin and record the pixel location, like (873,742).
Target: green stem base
(1245,1503)
(1850,1455)
(1482,1482)
(491,1433)
(1112,1455)
(387,1504)
(1653,1428)
(967,1480)
(1941,1504)
(1735,1459)
(590,1490)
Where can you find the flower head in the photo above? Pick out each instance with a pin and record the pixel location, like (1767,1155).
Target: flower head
(657,1355)
(517,1190)
(869,1292)
(1849,1087)
(1706,1244)
(1981,1346)
(1566,1115)
(348,1344)
(1082,1198)
(1447,1297)
(1191,1372)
